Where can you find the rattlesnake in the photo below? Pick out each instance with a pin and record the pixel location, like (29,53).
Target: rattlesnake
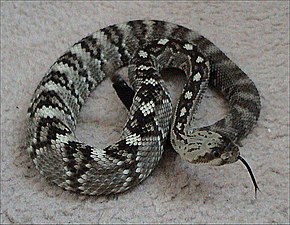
(147,47)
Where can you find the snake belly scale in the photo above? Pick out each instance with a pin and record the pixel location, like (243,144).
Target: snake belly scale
(146,47)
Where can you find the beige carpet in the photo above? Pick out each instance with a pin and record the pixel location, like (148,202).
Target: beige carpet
(253,34)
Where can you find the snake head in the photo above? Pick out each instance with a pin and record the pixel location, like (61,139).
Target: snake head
(212,148)
(209,147)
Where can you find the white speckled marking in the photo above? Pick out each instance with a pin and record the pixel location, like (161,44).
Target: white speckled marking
(178,126)
(162,41)
(182,111)
(133,139)
(188,46)
(142,67)
(97,153)
(199,59)
(188,95)
(143,54)
(151,81)
(147,108)
(197,77)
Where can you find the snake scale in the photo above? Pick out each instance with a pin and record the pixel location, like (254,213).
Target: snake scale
(147,47)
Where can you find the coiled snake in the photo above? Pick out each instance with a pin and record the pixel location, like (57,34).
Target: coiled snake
(147,48)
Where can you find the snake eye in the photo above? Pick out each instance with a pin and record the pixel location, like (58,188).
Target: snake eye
(215,152)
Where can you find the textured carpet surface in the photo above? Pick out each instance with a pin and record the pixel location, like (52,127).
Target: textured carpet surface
(253,34)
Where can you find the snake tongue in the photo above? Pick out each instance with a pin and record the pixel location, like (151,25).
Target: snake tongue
(251,174)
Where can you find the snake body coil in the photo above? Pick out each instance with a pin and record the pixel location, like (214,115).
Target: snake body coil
(147,47)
